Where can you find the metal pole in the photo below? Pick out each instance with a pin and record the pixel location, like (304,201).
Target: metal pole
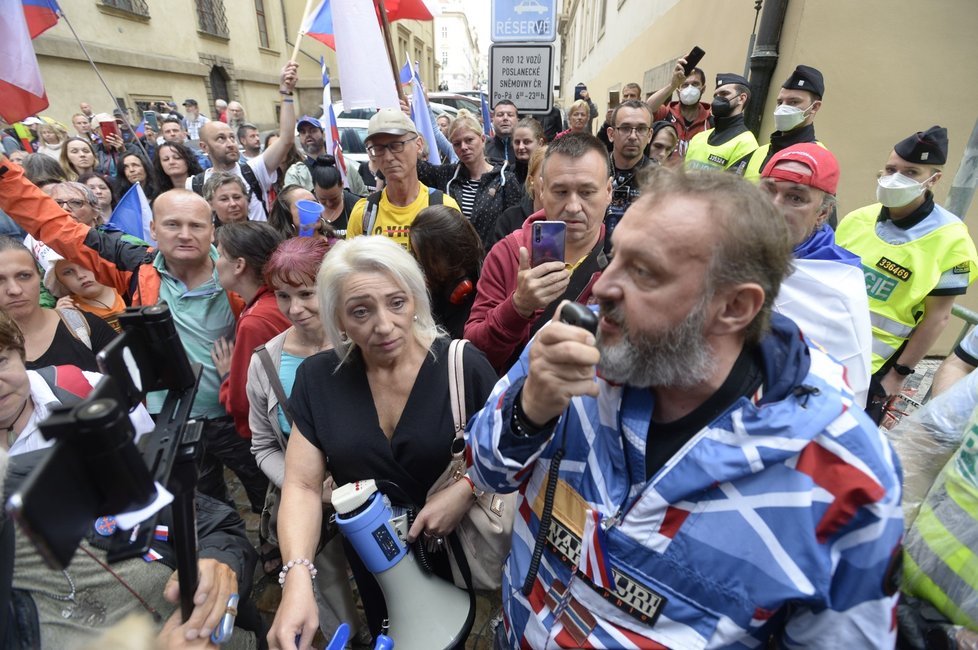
(125,117)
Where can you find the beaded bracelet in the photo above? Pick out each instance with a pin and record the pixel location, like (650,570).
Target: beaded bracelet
(313,571)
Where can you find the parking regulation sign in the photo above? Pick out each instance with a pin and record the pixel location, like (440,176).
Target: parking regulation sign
(524,21)
(521,74)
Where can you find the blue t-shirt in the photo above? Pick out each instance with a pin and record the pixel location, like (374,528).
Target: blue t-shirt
(286,374)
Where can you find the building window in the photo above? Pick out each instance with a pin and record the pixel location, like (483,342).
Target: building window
(138,7)
(211,18)
(444,58)
(262,26)
(444,31)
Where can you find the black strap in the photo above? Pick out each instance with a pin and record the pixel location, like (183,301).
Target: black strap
(435,197)
(595,261)
(249,175)
(274,381)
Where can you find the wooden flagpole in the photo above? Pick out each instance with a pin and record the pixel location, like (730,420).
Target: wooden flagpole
(301,33)
(385,26)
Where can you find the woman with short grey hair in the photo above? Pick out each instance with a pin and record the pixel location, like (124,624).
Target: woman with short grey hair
(374,407)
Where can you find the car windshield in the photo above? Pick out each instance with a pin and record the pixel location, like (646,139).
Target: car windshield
(352,137)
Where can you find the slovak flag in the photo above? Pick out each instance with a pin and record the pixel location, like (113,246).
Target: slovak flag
(21,88)
(332,132)
(593,562)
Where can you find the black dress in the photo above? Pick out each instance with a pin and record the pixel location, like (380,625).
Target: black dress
(66,350)
(335,412)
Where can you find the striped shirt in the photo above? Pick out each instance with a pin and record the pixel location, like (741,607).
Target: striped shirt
(470,189)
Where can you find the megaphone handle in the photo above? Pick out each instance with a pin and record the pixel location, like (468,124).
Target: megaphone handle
(384,643)
(340,638)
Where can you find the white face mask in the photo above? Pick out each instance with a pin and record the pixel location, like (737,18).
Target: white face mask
(690,95)
(787,117)
(897,190)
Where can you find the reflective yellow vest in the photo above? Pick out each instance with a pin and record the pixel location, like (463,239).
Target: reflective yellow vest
(899,277)
(702,155)
(941,547)
(754,169)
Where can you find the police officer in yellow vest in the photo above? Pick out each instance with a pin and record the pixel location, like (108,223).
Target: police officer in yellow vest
(916,258)
(799,99)
(729,144)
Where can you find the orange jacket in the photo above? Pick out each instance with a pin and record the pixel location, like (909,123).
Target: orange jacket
(117,263)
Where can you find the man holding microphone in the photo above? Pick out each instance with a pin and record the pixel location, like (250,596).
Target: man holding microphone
(695,474)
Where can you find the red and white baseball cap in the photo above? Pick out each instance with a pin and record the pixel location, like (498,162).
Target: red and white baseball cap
(824,166)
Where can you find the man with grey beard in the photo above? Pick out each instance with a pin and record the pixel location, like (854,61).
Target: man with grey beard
(696,475)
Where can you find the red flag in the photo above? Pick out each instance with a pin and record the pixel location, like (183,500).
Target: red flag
(407,10)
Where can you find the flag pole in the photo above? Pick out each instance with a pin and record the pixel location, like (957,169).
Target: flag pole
(125,116)
(301,33)
(385,27)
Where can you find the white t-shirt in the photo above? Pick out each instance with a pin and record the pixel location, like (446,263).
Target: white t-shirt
(30,439)
(827,300)
(255,210)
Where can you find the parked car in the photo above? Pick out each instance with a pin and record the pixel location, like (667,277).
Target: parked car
(457,101)
(353,132)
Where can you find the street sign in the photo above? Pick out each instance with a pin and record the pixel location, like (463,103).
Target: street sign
(524,21)
(522,74)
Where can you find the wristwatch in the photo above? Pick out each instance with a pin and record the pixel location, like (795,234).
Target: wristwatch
(903,370)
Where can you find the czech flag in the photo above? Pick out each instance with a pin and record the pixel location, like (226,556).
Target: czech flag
(21,88)
(319,22)
(331,131)
(319,25)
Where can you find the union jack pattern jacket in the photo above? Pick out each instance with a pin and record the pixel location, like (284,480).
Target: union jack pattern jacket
(780,520)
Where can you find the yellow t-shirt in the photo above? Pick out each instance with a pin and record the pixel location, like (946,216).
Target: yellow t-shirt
(393,221)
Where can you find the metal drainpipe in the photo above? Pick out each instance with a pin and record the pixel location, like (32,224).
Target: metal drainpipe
(763,60)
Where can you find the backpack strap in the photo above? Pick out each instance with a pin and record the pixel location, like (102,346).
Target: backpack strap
(249,175)
(77,324)
(274,381)
(435,197)
(197,183)
(68,383)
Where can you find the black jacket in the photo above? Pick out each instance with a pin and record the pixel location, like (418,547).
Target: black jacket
(498,190)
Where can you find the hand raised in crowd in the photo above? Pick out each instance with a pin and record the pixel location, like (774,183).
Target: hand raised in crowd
(441,514)
(563,359)
(289,77)
(216,582)
(114,141)
(538,286)
(149,133)
(405,106)
(678,74)
(221,355)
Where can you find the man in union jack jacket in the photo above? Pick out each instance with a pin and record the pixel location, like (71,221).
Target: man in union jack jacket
(714,486)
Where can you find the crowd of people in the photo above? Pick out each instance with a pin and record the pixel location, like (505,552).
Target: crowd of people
(702,468)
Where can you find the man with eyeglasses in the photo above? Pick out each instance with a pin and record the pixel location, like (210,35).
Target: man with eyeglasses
(629,136)
(394,146)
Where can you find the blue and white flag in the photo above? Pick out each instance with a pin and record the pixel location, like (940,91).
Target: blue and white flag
(132,215)
(421,114)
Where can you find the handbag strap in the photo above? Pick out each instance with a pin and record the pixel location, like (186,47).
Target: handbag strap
(456,385)
(274,381)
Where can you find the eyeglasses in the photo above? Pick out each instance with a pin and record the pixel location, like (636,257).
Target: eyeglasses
(641,131)
(70,204)
(378,150)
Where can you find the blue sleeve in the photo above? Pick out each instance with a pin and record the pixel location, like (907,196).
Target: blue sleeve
(499,457)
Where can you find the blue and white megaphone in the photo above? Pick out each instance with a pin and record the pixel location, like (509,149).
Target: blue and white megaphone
(425,612)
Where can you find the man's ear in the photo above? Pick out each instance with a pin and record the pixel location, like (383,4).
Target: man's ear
(735,308)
